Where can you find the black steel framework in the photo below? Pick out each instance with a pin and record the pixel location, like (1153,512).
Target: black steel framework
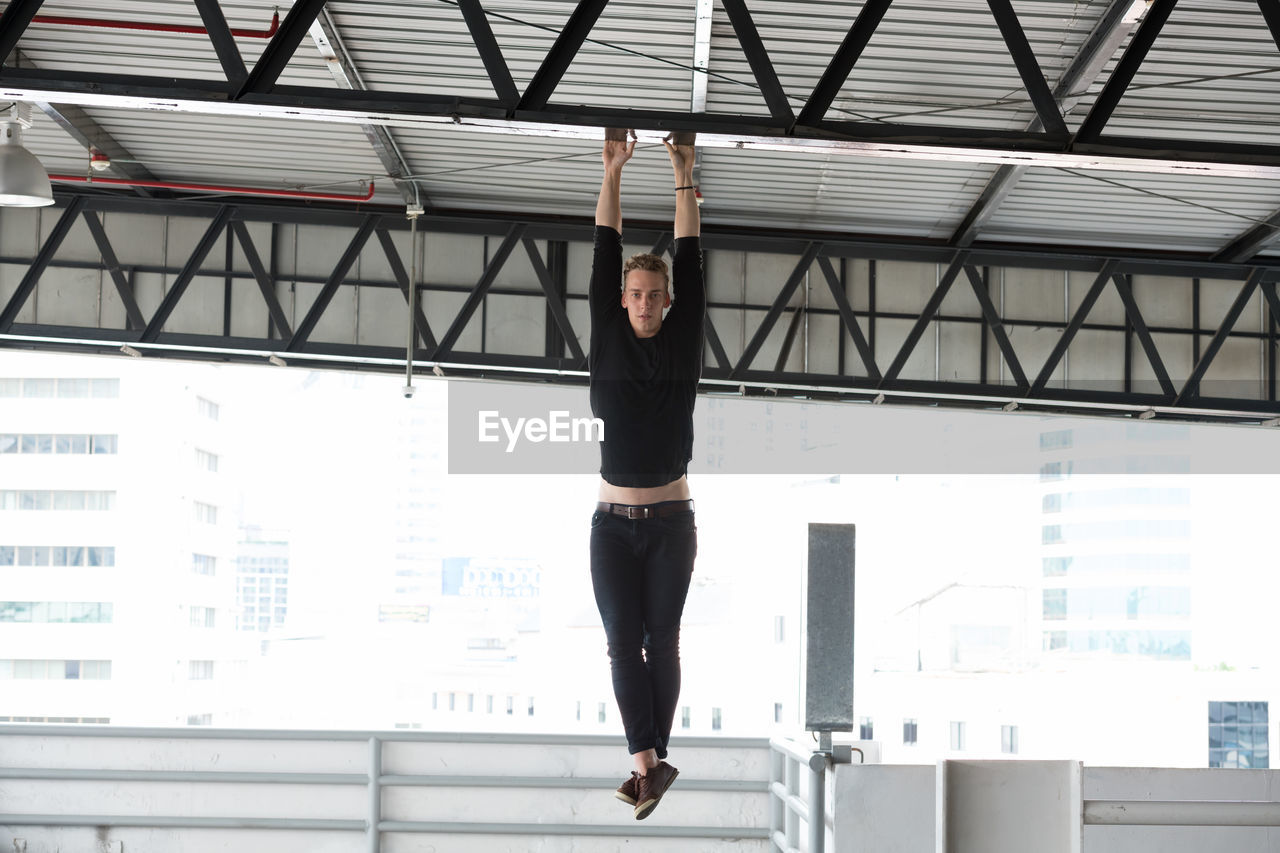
(226,221)
(1048,133)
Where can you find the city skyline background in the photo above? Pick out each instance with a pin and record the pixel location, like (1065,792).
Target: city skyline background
(419,599)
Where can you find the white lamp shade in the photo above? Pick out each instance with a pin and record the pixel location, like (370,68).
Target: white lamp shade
(23,181)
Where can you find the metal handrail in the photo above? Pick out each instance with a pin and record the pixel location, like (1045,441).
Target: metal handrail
(787,808)
(388,736)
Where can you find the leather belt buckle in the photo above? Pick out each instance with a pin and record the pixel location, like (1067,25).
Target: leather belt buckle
(634,512)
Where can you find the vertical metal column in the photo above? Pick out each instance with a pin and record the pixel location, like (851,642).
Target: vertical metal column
(828,692)
(375,795)
(791,823)
(777,806)
(828,695)
(413,303)
(817,802)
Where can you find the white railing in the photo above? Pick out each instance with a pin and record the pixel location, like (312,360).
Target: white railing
(793,804)
(356,783)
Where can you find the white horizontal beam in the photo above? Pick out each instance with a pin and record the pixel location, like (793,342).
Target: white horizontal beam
(893,149)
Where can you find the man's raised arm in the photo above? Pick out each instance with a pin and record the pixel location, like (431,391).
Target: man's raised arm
(615,155)
(688,223)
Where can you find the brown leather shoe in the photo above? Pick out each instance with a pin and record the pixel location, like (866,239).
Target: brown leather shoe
(627,790)
(651,786)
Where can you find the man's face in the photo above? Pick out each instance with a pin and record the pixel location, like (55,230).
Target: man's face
(644,295)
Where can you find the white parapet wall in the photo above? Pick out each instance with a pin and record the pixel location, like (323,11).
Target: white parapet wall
(893,809)
(65,789)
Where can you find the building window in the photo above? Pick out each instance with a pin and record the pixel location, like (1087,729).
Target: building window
(61,444)
(203,564)
(1050,534)
(779,629)
(511,705)
(200,720)
(56,555)
(453,699)
(1051,503)
(55,611)
(56,670)
(206,513)
(63,388)
(200,670)
(206,461)
(777,712)
(686,717)
(38,387)
(577,711)
(202,617)
(94,721)
(1009,739)
(530,706)
(1054,604)
(910,731)
(1054,567)
(715,719)
(207,408)
(435,701)
(1050,471)
(600,712)
(471,702)
(42,499)
(1238,735)
(866,729)
(957,736)
(1057,440)
(488,704)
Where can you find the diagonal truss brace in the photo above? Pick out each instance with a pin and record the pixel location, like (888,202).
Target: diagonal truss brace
(189,270)
(40,263)
(996,325)
(561,55)
(1125,289)
(1028,68)
(779,305)
(490,54)
(223,42)
(1077,320)
(514,236)
(850,320)
(926,316)
(554,301)
(1125,70)
(133,313)
(758,58)
(325,296)
(265,284)
(1191,388)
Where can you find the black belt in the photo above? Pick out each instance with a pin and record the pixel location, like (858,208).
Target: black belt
(645,510)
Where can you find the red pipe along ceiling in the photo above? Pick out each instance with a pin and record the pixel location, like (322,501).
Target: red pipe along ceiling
(214,188)
(64,20)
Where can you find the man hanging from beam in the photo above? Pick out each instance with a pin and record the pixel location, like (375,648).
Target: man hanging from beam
(644,379)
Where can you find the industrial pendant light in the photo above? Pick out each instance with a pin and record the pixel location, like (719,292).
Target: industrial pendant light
(23,181)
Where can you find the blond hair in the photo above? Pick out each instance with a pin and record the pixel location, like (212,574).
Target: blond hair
(646,261)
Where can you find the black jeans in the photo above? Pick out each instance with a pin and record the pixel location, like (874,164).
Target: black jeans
(640,571)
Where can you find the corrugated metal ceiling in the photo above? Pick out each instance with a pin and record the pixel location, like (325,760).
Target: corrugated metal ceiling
(1212,75)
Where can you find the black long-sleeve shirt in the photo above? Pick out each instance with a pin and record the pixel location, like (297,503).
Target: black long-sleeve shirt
(644,389)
